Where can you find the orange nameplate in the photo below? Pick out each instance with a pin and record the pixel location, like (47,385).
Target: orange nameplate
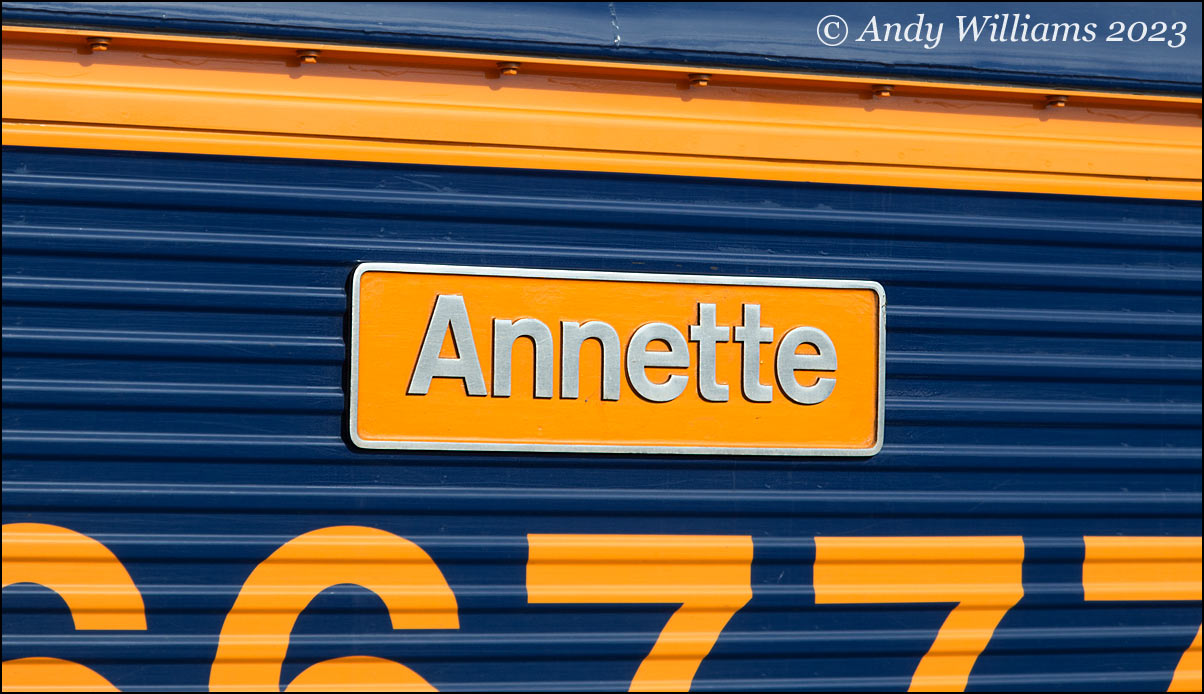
(509,359)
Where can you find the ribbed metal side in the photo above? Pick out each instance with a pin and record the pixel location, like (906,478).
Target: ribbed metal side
(174,387)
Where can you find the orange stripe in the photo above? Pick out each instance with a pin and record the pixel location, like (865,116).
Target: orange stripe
(280,48)
(218,96)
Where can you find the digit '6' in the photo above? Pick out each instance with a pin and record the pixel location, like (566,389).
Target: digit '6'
(88,577)
(255,636)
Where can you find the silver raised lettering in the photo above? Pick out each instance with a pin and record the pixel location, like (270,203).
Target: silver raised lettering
(449,313)
(751,336)
(707,335)
(504,334)
(788,362)
(639,358)
(572,336)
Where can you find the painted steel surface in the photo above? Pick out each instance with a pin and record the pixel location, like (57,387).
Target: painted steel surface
(777,36)
(175,370)
(244,98)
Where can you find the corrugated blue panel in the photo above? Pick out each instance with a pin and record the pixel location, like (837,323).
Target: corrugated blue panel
(174,387)
(1149,47)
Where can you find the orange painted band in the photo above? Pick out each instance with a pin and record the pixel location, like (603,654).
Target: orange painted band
(256,98)
(328,52)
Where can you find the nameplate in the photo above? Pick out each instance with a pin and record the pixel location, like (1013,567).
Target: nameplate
(511,359)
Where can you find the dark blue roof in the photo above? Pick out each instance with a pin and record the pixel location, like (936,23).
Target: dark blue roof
(776,36)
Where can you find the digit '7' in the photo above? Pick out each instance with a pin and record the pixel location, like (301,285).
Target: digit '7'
(1148,568)
(710,575)
(981,574)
